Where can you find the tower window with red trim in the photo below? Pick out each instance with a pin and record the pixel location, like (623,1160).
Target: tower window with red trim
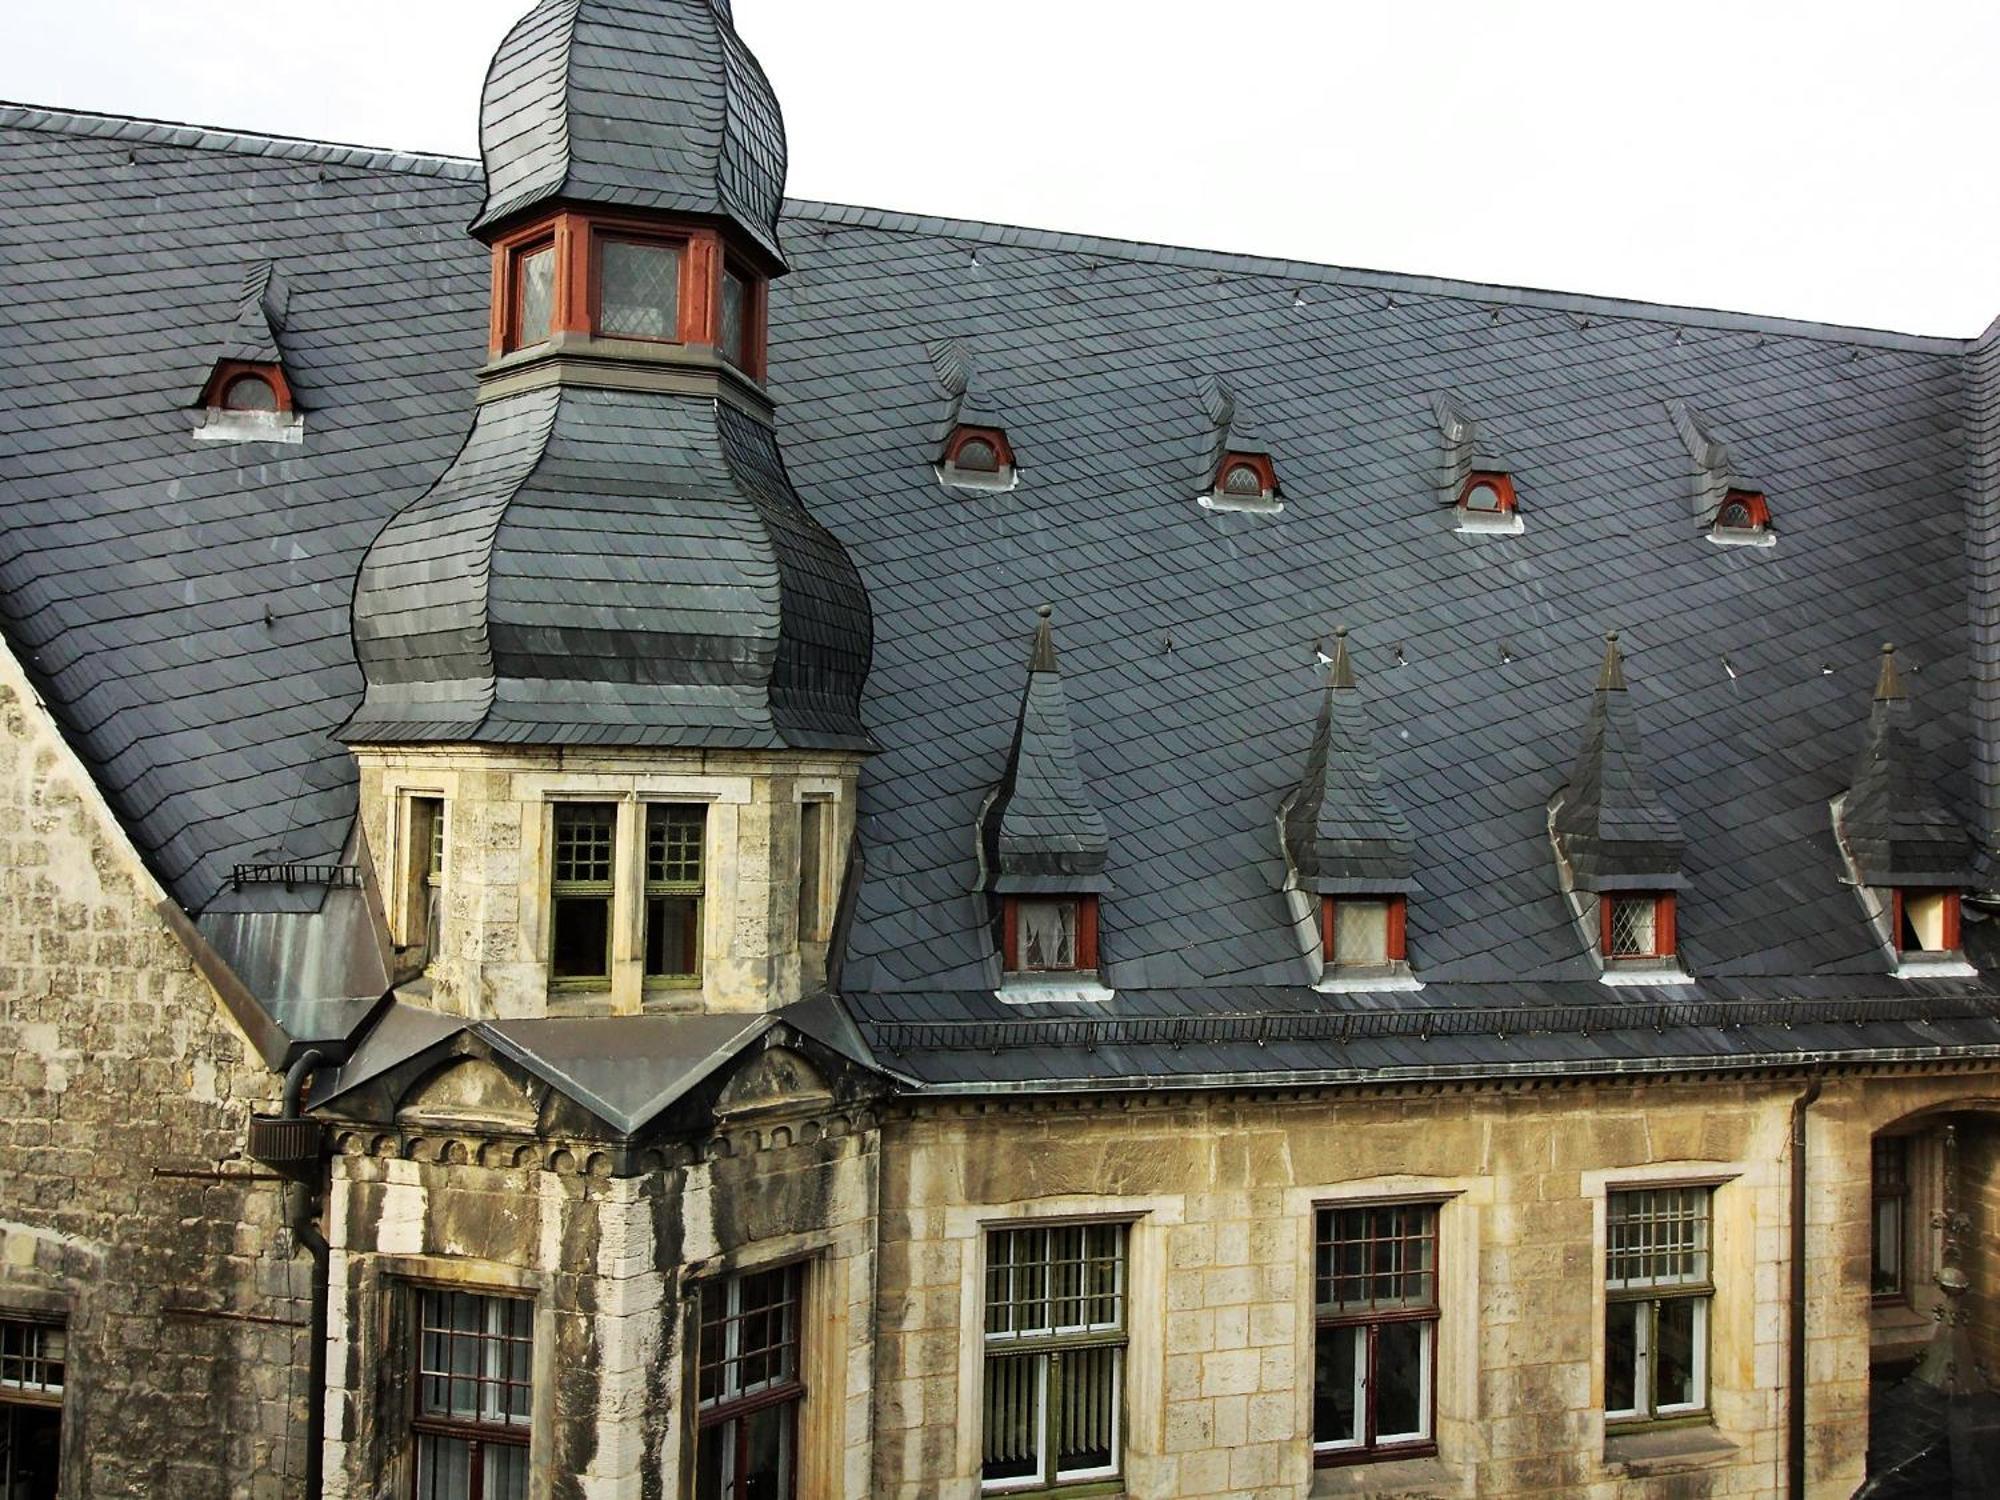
(1050,934)
(1638,926)
(1926,920)
(1363,932)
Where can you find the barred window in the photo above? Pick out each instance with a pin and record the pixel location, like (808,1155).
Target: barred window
(586,838)
(1658,1286)
(475,1395)
(749,1386)
(1375,1309)
(33,1358)
(675,838)
(1055,1355)
(1889,1217)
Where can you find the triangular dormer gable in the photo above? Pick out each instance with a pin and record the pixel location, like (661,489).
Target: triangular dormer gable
(1610,826)
(1894,827)
(1725,504)
(1470,478)
(1041,832)
(1342,832)
(1239,470)
(247,380)
(970,447)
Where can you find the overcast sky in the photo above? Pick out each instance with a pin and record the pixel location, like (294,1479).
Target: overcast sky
(1825,160)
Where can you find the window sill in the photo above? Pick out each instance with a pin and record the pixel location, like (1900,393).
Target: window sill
(1368,979)
(1644,972)
(1256,505)
(977,479)
(1933,966)
(1743,538)
(1080,988)
(1480,523)
(251,427)
(1387,1478)
(1647,1451)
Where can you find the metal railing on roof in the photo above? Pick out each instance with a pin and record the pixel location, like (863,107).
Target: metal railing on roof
(1340,1027)
(334,877)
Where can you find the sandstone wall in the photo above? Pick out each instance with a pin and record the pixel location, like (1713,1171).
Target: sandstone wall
(184,1304)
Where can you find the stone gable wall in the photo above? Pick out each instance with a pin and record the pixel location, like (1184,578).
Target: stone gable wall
(119,1063)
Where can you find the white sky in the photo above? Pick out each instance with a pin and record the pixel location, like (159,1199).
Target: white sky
(1827,160)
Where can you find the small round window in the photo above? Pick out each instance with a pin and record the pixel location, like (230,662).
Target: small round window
(978,455)
(1484,496)
(249,393)
(1243,479)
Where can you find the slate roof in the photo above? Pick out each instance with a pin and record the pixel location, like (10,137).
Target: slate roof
(1342,831)
(1614,831)
(137,571)
(1894,825)
(645,104)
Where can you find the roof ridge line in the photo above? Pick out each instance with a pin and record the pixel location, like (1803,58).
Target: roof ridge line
(151,132)
(1483,294)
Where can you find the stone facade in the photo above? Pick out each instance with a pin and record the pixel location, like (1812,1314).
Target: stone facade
(126,1206)
(492,957)
(1220,1191)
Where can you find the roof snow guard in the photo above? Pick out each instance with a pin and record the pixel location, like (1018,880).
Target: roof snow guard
(1340,830)
(1897,831)
(641,104)
(1610,825)
(1040,831)
(612,568)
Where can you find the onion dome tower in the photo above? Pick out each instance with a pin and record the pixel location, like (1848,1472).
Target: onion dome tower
(616,557)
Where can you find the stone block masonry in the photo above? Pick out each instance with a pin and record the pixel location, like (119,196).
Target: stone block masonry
(124,1101)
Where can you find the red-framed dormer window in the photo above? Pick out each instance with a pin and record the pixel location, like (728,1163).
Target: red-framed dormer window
(1054,934)
(637,286)
(1637,925)
(531,292)
(979,453)
(1363,932)
(1487,492)
(1245,479)
(247,386)
(1926,920)
(1743,511)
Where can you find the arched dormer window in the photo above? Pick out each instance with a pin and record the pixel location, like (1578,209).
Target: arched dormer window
(1244,481)
(977,458)
(1487,493)
(1743,520)
(250,392)
(248,401)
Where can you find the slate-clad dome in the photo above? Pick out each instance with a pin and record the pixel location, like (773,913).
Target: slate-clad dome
(611,568)
(653,105)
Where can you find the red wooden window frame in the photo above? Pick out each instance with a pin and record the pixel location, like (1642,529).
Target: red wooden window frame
(1086,932)
(228,371)
(962,435)
(477,1434)
(1666,937)
(1397,945)
(712,1373)
(1502,485)
(1953,916)
(1327,1315)
(1751,500)
(1267,475)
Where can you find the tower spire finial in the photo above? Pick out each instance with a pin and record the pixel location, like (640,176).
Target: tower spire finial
(1043,658)
(1612,678)
(1340,674)
(1888,681)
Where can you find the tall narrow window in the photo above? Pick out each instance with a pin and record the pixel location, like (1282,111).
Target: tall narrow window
(534,294)
(475,1396)
(734,340)
(674,845)
(639,289)
(586,837)
(747,1419)
(1053,1407)
(812,855)
(423,871)
(1375,1304)
(1050,934)
(32,1368)
(1889,1217)
(1657,1290)
(1363,932)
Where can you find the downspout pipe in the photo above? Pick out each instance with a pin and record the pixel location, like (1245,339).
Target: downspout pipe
(305,1228)
(1795,1347)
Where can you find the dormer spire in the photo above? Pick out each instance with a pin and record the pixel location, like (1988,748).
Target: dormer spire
(1342,832)
(1611,826)
(1896,829)
(1042,832)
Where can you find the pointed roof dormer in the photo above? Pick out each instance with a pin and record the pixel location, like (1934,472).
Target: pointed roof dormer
(247,396)
(1610,825)
(1895,829)
(1239,471)
(1730,510)
(1342,832)
(1041,832)
(1471,479)
(655,107)
(970,448)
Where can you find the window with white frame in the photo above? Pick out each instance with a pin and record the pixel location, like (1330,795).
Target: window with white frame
(1658,1286)
(475,1395)
(1375,1311)
(33,1364)
(749,1386)
(1053,1405)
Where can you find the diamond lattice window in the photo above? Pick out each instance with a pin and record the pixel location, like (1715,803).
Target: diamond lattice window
(639,292)
(1635,926)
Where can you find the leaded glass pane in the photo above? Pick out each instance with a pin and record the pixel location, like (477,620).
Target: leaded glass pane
(32,1356)
(1360,932)
(735,319)
(1634,926)
(249,393)
(1372,1259)
(977,456)
(1242,479)
(536,296)
(586,835)
(639,291)
(674,838)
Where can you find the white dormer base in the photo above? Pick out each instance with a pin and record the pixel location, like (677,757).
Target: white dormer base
(1636,976)
(1054,989)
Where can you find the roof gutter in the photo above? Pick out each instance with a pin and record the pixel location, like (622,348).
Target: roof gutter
(1795,1333)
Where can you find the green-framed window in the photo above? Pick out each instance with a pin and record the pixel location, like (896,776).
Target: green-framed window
(581,888)
(676,838)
